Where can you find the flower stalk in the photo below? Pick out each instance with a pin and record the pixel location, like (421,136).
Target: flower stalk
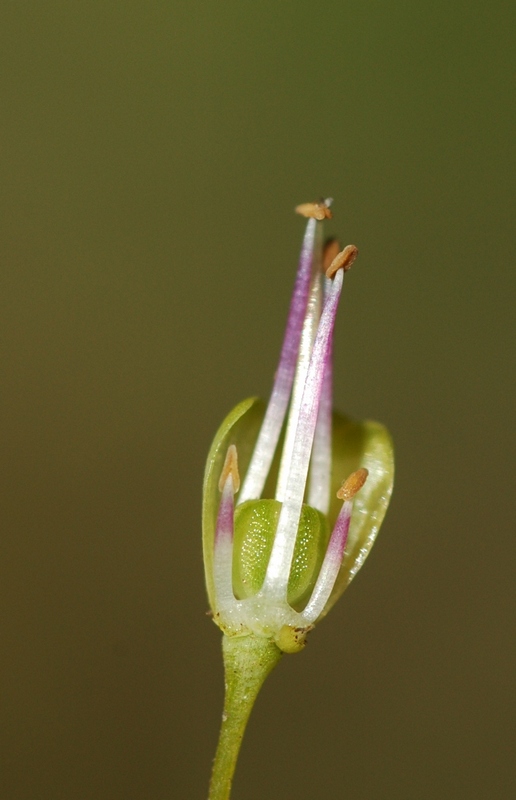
(247,662)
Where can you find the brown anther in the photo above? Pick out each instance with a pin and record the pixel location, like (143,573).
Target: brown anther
(342,260)
(353,484)
(230,468)
(331,250)
(317,210)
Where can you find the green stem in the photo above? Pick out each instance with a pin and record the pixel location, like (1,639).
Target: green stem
(247,662)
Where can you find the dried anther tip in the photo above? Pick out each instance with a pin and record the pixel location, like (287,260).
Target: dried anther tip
(343,260)
(353,484)
(318,210)
(230,468)
(330,251)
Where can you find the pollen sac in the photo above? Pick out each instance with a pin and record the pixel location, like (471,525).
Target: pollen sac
(255,527)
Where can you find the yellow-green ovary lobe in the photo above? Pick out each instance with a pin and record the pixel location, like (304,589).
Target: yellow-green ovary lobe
(255,527)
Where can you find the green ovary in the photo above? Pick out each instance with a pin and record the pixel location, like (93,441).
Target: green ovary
(255,527)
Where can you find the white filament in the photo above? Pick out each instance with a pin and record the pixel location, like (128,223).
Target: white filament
(223,550)
(309,331)
(278,570)
(329,570)
(319,480)
(266,444)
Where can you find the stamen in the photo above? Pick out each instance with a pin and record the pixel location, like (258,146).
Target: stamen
(271,426)
(223,551)
(276,578)
(319,210)
(353,484)
(331,565)
(335,552)
(343,260)
(230,468)
(313,312)
(320,464)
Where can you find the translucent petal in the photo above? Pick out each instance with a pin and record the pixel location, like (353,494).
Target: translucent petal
(360,444)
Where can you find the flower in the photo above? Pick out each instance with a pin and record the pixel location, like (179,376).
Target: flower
(281,545)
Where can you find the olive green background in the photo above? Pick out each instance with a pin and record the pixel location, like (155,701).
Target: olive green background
(151,154)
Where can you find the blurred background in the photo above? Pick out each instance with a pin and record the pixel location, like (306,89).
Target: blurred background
(151,157)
